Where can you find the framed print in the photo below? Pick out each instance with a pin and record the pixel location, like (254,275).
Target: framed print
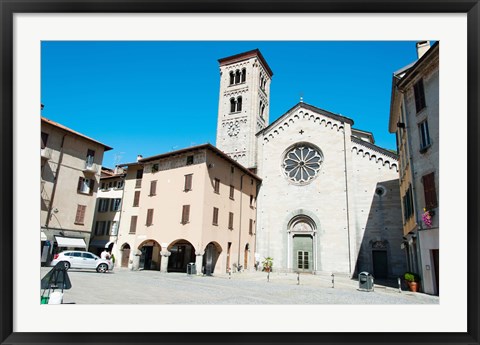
(361,118)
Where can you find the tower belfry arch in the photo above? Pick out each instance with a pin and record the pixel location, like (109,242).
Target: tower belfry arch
(243,107)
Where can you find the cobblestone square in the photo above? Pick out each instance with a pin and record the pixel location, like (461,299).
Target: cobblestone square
(123,286)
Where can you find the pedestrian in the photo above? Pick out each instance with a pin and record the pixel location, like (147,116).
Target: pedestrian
(105,255)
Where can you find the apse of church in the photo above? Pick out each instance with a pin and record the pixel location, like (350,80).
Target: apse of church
(329,198)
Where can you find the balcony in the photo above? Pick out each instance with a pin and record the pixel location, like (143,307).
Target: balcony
(46,153)
(90,167)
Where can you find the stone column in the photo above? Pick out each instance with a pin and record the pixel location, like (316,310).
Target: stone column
(164,263)
(199,262)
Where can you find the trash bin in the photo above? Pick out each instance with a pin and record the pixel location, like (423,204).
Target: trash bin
(365,281)
(191,268)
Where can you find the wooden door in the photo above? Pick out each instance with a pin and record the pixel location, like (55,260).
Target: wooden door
(125,257)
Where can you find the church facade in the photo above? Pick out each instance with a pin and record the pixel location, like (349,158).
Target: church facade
(329,199)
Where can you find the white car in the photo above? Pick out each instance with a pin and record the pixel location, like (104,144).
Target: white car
(79,259)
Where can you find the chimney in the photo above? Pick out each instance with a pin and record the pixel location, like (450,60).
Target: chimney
(139,157)
(422,48)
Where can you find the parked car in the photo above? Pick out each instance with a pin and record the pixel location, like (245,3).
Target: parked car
(79,259)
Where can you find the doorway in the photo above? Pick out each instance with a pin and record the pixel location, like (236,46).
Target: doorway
(380,267)
(302,253)
(435,260)
(125,255)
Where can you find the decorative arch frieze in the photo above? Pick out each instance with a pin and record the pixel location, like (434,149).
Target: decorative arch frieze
(327,123)
(376,157)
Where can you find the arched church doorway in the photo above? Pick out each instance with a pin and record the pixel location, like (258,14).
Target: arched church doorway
(210,258)
(182,253)
(125,255)
(302,248)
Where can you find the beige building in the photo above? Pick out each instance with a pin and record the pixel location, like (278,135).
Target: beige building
(194,205)
(414,117)
(70,172)
(108,210)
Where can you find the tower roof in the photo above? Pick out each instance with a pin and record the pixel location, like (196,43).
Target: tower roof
(245,56)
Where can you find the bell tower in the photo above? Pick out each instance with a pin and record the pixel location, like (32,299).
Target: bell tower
(243,106)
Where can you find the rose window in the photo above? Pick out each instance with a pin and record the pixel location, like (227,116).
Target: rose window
(302,164)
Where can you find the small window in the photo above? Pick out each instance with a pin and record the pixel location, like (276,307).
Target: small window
(215,216)
(115,204)
(80,215)
(230,220)
(239,103)
(419,92)
(133,224)
(85,185)
(232,192)
(188,182)
(424,135)
(114,231)
(216,186)
(139,173)
(232,105)
(237,77)
(153,188)
(250,227)
(189,160)
(185,214)
(149,217)
(102,187)
(44,140)
(252,201)
(136,199)
(232,169)
(155,168)
(430,191)
(120,184)
(232,78)
(244,75)
(90,158)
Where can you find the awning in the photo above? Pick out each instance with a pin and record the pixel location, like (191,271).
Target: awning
(70,242)
(43,237)
(100,243)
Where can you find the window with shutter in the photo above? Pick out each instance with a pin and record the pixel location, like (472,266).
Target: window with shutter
(232,192)
(419,93)
(80,215)
(250,227)
(429,191)
(136,199)
(215,216)
(153,188)
(133,224)
(188,182)
(149,216)
(216,187)
(185,214)
(230,220)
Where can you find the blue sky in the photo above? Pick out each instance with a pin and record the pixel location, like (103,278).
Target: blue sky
(152,97)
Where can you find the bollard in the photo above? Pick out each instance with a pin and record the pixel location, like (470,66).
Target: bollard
(268,276)
(230,274)
(298,278)
(333,281)
(399,285)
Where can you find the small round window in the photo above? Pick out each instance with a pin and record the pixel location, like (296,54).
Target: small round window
(301,163)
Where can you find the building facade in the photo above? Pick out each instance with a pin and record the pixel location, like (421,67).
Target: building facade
(414,117)
(194,205)
(329,199)
(70,172)
(108,210)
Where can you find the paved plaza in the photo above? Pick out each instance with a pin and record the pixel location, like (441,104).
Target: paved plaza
(123,286)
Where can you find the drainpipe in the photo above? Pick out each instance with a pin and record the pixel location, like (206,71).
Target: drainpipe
(240,226)
(50,207)
(346,200)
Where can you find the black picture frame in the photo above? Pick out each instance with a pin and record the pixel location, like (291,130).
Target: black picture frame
(10,7)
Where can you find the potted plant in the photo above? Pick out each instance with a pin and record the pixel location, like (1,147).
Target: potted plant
(427,217)
(267,264)
(412,280)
